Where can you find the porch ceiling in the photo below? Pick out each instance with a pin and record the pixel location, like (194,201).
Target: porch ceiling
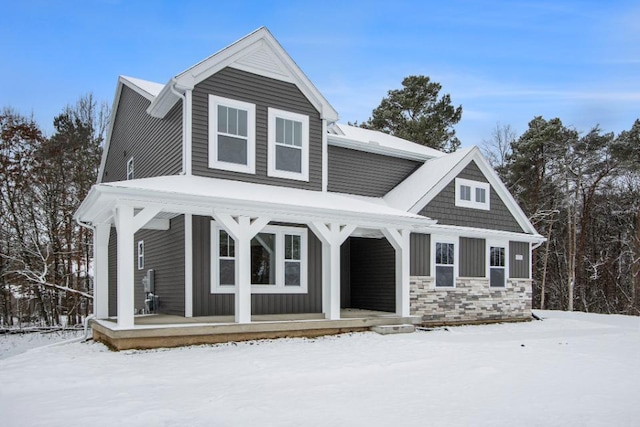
(182,194)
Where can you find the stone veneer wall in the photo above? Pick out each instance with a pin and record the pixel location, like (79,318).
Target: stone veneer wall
(472,300)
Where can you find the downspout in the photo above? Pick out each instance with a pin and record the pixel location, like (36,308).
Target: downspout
(186,125)
(92,316)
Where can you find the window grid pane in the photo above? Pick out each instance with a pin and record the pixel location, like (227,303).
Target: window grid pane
(480,195)
(465,192)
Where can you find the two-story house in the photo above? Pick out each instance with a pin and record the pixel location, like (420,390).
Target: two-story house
(232,205)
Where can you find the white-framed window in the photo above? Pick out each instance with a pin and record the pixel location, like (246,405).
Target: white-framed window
(140,254)
(288,148)
(232,134)
(278,261)
(472,194)
(445,261)
(130,169)
(497,261)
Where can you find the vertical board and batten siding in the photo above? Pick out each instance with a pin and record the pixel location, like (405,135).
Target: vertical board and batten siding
(263,92)
(473,257)
(163,253)
(373,279)
(420,251)
(207,304)
(155,144)
(366,174)
(519,269)
(443,207)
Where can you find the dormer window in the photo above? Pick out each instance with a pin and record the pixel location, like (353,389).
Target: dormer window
(472,194)
(130,169)
(288,145)
(232,142)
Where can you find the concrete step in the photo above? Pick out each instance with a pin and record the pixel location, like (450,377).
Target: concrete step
(393,329)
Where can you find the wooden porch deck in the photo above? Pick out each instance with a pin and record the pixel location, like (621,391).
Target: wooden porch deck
(161,330)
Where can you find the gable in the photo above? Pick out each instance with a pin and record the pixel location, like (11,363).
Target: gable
(442,207)
(258,53)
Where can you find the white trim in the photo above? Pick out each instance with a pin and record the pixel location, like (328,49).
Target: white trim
(497,244)
(376,148)
(186,132)
(273,114)
(250,166)
(140,256)
(325,156)
(279,287)
(455,240)
(188,265)
(473,186)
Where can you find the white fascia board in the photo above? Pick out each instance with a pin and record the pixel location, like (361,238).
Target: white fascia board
(376,148)
(483,233)
(112,119)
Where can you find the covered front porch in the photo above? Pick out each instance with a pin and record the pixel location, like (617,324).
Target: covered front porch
(153,331)
(245,212)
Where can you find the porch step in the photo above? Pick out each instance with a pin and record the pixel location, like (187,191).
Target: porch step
(393,329)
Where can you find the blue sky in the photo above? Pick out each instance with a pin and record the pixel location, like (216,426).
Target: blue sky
(503,61)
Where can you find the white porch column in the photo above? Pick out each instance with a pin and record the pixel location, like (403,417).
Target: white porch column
(400,240)
(101,270)
(124,225)
(332,236)
(242,229)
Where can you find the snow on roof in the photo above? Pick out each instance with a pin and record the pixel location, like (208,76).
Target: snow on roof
(282,200)
(151,88)
(406,194)
(378,142)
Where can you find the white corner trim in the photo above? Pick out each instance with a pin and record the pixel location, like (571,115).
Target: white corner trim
(325,157)
(188,265)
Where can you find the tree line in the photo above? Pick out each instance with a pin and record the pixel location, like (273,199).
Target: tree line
(44,255)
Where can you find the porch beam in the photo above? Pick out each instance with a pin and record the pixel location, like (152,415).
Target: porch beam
(101,236)
(332,235)
(242,229)
(143,217)
(400,239)
(124,222)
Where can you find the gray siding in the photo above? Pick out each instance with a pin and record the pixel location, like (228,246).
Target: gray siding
(472,257)
(519,269)
(366,174)
(443,208)
(164,253)
(420,254)
(372,274)
(155,144)
(207,304)
(263,92)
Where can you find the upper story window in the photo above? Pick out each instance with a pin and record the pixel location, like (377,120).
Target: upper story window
(288,145)
(130,169)
(232,129)
(472,194)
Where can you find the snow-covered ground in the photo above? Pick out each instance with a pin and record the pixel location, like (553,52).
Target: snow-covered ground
(572,369)
(13,344)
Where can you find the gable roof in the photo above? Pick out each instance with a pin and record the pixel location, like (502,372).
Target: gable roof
(144,87)
(372,141)
(417,190)
(258,53)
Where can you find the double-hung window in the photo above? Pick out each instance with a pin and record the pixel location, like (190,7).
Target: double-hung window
(445,264)
(472,194)
(497,265)
(278,261)
(232,142)
(288,145)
